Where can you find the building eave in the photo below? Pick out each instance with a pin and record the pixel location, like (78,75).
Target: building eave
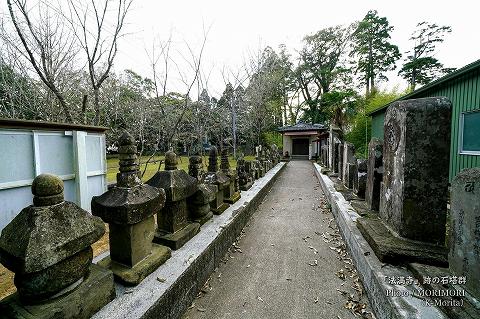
(451,76)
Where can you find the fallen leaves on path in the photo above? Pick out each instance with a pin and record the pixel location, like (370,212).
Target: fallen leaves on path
(354,300)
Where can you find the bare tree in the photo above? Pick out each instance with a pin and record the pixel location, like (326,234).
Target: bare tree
(99,45)
(46,43)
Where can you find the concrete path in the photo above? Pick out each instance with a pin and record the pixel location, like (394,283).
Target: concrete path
(284,266)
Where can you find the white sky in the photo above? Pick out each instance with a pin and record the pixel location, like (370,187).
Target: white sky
(240,27)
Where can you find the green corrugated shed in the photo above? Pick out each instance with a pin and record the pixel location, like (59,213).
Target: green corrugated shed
(462,87)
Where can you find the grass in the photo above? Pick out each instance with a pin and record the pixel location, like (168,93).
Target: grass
(112,166)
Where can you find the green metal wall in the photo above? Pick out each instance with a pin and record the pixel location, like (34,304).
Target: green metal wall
(464,93)
(377,125)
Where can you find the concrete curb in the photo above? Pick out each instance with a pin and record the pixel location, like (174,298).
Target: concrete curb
(170,290)
(371,271)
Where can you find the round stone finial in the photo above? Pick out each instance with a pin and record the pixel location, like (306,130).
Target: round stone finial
(47,189)
(126,139)
(171,161)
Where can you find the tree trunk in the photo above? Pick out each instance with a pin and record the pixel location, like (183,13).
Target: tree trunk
(96,120)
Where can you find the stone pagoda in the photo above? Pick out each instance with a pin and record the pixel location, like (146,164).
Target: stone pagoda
(251,170)
(216,177)
(129,209)
(244,178)
(48,247)
(199,203)
(231,192)
(174,229)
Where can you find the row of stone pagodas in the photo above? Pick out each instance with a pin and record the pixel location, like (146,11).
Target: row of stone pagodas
(48,244)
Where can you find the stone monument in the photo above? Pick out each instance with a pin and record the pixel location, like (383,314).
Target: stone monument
(334,137)
(360,178)
(199,203)
(339,160)
(260,168)
(414,192)
(174,229)
(245,178)
(129,208)
(48,247)
(250,170)
(464,254)
(231,193)
(414,196)
(349,163)
(374,173)
(215,177)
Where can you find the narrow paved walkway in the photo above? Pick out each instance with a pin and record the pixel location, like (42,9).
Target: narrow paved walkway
(285,264)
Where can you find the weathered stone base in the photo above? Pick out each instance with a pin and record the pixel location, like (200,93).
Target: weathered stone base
(233,199)
(219,210)
(246,187)
(96,290)
(134,275)
(371,271)
(456,307)
(393,249)
(202,220)
(178,238)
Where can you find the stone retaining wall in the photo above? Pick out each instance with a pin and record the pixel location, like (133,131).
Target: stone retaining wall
(170,290)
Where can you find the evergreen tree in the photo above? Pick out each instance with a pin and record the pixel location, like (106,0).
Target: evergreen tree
(420,66)
(373,50)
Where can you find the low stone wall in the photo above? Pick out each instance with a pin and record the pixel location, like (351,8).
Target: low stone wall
(170,290)
(371,271)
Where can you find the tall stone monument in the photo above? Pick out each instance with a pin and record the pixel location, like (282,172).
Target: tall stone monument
(199,203)
(129,209)
(245,178)
(349,163)
(334,137)
(48,247)
(360,178)
(174,229)
(414,192)
(231,192)
(374,173)
(464,255)
(260,169)
(414,198)
(250,170)
(215,177)
(339,160)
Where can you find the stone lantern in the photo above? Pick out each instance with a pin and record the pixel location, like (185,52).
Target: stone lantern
(48,247)
(129,209)
(174,229)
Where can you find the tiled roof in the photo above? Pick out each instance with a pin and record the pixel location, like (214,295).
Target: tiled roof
(300,126)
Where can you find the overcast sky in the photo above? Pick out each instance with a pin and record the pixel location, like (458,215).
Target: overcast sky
(240,27)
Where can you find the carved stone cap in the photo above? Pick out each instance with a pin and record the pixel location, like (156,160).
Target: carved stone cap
(47,189)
